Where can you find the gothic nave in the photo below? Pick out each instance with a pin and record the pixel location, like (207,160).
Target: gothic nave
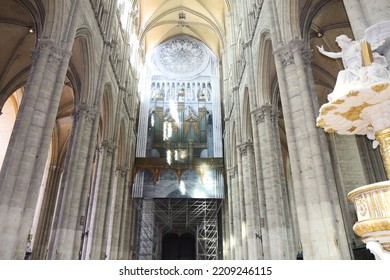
(170,129)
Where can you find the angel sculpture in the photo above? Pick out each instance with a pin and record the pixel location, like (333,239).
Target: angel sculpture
(355,75)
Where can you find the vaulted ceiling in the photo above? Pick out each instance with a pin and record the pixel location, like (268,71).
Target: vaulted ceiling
(321,22)
(18,38)
(160,20)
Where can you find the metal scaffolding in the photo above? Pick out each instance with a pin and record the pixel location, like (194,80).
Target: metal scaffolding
(157,217)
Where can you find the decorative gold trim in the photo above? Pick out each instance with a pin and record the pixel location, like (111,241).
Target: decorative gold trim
(371,225)
(361,206)
(368,188)
(380,87)
(352,129)
(338,101)
(327,110)
(353,114)
(330,130)
(383,137)
(321,123)
(353,93)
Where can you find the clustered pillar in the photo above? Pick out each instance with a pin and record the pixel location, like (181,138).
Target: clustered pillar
(20,180)
(319,213)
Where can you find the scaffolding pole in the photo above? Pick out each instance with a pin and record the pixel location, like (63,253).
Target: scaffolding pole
(157,217)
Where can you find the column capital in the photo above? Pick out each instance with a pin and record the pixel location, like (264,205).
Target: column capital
(307,55)
(122,170)
(108,146)
(247,44)
(232,171)
(245,147)
(260,113)
(55,53)
(286,53)
(89,112)
(298,46)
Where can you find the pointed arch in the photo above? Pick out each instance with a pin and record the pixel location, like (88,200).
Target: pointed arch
(289,21)
(266,69)
(121,157)
(81,66)
(60,13)
(107,113)
(246,117)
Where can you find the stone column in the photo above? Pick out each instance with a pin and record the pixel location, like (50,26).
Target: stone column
(45,222)
(241,204)
(224,228)
(363,14)
(131,224)
(228,252)
(274,184)
(127,225)
(230,173)
(100,206)
(110,203)
(375,10)
(260,231)
(356,17)
(250,198)
(319,214)
(24,163)
(236,214)
(121,173)
(129,214)
(69,223)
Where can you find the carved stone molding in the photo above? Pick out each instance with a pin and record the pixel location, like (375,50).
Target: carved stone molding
(285,55)
(122,171)
(287,52)
(55,54)
(298,46)
(89,112)
(245,148)
(307,55)
(109,147)
(274,115)
(261,112)
(232,171)
(247,44)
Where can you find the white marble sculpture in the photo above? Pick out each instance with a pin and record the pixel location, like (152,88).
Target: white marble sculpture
(360,101)
(355,76)
(360,104)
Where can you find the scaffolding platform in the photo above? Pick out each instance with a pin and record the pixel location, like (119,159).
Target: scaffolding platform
(158,217)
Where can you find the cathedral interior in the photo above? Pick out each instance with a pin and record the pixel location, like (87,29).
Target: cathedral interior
(179,130)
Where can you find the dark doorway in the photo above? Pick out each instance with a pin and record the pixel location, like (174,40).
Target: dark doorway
(178,248)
